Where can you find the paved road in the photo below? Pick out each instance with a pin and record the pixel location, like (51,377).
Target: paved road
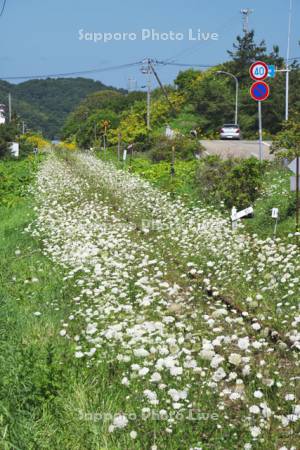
(241,149)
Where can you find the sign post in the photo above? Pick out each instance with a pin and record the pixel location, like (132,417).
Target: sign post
(261,151)
(259,91)
(294,166)
(275,215)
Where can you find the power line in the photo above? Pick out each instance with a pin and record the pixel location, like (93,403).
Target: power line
(3,8)
(68,74)
(185,64)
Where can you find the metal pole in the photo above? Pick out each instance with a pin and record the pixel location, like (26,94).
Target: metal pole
(236,101)
(275,228)
(119,145)
(236,93)
(104,143)
(261,154)
(287,80)
(173,162)
(149,96)
(297,193)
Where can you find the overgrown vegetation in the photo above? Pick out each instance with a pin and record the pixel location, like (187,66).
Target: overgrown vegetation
(15,177)
(234,182)
(202,101)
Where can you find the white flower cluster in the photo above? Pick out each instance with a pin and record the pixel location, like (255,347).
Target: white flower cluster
(150,301)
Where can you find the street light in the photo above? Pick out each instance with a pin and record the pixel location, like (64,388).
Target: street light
(236,92)
(287,80)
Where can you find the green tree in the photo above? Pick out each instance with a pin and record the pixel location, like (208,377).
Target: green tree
(8,133)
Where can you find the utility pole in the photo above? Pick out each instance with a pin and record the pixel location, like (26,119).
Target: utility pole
(245,15)
(119,145)
(9,107)
(287,79)
(162,87)
(148,71)
(148,96)
(23,127)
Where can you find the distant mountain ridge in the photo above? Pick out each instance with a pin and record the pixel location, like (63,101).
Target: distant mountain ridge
(45,104)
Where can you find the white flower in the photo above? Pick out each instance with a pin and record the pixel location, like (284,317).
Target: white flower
(234,396)
(246,370)
(289,397)
(216,361)
(91,328)
(37,313)
(133,434)
(207,354)
(256,326)
(120,421)
(63,332)
(177,405)
(297,410)
(258,394)
(266,411)
(140,352)
(125,381)
(143,371)
(254,409)
(219,374)
(91,352)
(155,377)
(235,359)
(79,354)
(176,371)
(151,396)
(243,343)
(255,431)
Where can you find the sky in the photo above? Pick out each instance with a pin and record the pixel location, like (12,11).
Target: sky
(49,37)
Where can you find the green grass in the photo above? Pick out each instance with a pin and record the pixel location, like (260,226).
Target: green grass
(46,395)
(43,388)
(276,195)
(276,191)
(15,176)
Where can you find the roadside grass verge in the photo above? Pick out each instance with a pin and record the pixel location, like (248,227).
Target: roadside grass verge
(46,394)
(275,192)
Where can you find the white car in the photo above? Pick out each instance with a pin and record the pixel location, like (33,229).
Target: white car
(230,131)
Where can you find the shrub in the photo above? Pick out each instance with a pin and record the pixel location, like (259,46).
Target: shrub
(235,182)
(185,149)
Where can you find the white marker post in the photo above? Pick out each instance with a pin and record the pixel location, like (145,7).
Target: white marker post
(234,218)
(235,215)
(275,215)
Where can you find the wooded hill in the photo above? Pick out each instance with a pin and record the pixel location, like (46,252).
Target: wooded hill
(45,104)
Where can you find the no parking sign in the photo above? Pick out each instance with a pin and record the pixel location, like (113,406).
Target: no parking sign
(260,91)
